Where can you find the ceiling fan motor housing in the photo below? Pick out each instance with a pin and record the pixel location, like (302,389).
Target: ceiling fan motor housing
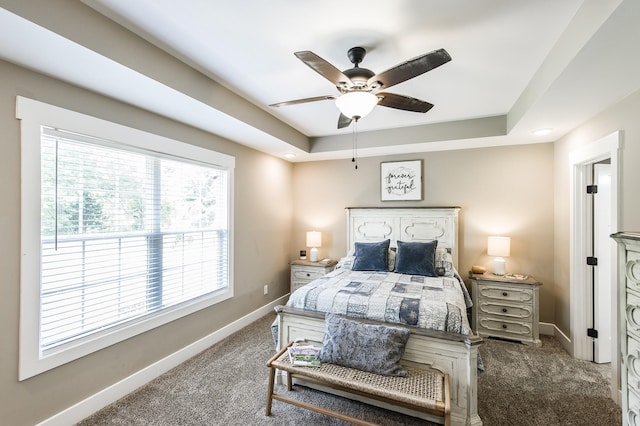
(359,76)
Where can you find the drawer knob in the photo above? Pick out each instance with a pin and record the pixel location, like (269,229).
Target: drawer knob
(504,310)
(504,326)
(308,274)
(504,293)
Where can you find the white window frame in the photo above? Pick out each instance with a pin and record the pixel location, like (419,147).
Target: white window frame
(32,115)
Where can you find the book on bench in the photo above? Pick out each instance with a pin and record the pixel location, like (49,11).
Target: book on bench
(304,355)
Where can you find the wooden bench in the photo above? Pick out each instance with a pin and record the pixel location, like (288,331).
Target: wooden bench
(422,390)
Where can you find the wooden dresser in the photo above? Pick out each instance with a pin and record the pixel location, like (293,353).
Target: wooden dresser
(629,286)
(506,307)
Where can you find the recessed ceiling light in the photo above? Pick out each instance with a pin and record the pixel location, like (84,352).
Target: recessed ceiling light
(542,132)
(290,155)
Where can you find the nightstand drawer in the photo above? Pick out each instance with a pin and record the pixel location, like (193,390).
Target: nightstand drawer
(515,311)
(307,274)
(503,328)
(303,272)
(505,293)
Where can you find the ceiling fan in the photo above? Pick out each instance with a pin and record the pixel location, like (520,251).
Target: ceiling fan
(359,87)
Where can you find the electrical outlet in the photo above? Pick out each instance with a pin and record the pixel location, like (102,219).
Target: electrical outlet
(266,289)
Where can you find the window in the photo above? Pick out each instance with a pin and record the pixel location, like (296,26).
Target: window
(122,231)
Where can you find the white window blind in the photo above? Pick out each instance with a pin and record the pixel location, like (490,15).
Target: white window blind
(127,236)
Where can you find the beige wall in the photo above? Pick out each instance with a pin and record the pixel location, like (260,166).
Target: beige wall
(506,190)
(621,117)
(263,214)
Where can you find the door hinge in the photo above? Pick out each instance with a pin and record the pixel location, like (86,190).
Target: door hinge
(592,189)
(592,332)
(592,261)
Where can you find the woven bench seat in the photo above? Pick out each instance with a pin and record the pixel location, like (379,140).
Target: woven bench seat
(422,390)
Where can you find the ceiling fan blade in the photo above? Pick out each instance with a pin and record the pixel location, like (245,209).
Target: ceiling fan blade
(392,100)
(344,121)
(409,69)
(324,68)
(305,100)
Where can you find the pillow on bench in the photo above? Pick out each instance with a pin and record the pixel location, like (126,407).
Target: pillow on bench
(375,348)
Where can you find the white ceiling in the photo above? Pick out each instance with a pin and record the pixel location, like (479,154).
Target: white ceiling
(517,65)
(496,46)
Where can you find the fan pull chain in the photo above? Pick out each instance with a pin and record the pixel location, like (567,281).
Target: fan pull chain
(354,158)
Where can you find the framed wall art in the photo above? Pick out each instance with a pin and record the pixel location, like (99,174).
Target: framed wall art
(401,180)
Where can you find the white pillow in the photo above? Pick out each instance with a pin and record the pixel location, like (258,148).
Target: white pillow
(345,262)
(444,262)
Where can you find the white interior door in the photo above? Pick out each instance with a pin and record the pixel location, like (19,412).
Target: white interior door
(603,321)
(581,345)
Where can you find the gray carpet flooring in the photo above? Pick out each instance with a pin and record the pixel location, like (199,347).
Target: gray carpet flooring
(226,385)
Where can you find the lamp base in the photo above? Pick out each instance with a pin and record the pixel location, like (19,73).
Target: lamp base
(313,254)
(498,266)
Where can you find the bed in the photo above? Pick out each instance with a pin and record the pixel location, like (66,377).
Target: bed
(433,308)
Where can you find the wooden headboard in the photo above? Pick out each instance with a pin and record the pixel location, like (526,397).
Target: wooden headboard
(370,224)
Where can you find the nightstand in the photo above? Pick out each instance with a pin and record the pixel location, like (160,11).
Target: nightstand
(303,272)
(506,307)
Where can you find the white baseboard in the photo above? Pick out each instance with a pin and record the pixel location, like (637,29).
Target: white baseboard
(551,330)
(109,395)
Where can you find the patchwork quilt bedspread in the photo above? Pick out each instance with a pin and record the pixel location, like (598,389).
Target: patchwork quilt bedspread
(437,303)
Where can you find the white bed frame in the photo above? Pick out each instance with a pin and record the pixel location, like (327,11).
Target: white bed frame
(450,353)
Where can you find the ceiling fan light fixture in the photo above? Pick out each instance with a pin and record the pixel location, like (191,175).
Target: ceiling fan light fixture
(356,104)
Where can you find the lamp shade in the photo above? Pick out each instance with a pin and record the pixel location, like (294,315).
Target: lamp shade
(314,239)
(499,246)
(356,104)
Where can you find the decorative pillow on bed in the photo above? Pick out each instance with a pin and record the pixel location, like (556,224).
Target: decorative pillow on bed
(371,256)
(347,261)
(417,258)
(375,348)
(391,258)
(444,262)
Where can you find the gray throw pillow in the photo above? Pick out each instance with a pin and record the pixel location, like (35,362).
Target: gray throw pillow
(371,256)
(417,258)
(375,348)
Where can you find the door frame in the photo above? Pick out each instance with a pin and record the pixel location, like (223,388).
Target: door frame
(580,161)
(603,247)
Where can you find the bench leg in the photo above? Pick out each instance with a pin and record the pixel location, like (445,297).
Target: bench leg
(272,377)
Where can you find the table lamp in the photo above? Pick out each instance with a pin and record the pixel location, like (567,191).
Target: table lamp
(314,240)
(499,247)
